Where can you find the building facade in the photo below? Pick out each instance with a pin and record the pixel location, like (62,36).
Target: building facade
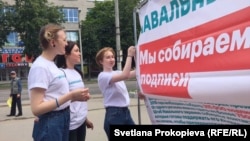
(74,11)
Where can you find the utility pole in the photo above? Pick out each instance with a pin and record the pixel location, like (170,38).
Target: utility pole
(118,42)
(80,40)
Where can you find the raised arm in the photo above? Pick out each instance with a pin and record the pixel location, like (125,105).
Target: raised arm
(126,72)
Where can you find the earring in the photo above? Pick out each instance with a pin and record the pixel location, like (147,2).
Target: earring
(54,45)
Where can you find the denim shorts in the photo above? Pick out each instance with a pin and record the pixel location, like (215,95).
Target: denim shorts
(117,116)
(52,126)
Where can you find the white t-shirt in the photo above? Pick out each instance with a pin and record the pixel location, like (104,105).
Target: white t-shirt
(45,74)
(114,94)
(78,109)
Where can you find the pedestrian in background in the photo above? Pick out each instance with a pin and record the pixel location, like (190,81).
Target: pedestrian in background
(49,89)
(78,109)
(15,93)
(114,90)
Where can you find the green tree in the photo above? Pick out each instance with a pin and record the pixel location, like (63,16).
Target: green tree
(4,22)
(29,17)
(126,23)
(99,30)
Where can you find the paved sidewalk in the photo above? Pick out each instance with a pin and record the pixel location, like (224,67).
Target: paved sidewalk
(20,128)
(94,103)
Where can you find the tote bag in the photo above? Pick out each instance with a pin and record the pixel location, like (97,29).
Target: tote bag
(9,101)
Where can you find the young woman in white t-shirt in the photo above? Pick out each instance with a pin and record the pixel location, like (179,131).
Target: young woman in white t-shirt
(114,90)
(78,109)
(49,90)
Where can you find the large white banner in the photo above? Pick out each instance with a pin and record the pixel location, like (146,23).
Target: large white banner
(193,61)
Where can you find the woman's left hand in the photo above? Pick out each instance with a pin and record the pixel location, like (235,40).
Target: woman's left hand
(89,124)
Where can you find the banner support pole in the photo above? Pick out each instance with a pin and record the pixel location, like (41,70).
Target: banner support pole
(135,38)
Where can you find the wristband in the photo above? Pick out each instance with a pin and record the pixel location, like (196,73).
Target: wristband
(57,104)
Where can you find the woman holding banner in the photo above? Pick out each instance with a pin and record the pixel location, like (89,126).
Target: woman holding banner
(114,90)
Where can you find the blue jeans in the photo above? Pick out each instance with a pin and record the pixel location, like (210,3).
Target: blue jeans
(52,126)
(117,116)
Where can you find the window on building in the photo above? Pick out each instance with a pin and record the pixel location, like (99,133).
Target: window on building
(72,36)
(7,9)
(12,39)
(71,15)
(89,9)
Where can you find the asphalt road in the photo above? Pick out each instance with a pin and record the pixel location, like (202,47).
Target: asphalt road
(93,87)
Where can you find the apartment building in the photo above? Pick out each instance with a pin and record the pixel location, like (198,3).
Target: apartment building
(74,11)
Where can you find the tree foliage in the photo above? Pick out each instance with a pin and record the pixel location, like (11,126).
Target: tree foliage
(4,23)
(29,17)
(99,28)
(95,28)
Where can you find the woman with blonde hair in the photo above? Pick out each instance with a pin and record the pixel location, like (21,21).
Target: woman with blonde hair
(49,90)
